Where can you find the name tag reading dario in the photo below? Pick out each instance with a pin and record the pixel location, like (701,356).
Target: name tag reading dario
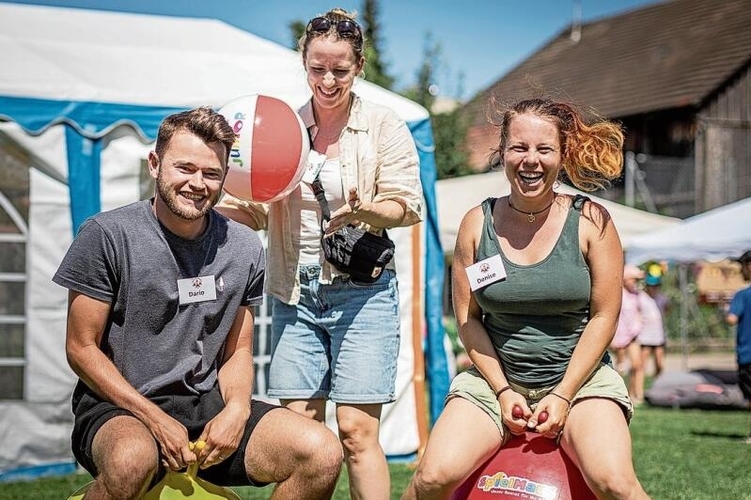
(485,272)
(198,289)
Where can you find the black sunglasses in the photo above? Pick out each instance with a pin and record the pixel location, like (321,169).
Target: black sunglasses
(345,28)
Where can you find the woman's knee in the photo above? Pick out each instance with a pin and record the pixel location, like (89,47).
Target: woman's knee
(614,484)
(434,478)
(358,426)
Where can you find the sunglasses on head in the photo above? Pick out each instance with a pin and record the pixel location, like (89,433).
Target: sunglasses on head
(345,28)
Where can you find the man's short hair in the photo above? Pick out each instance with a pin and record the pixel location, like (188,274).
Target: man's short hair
(203,122)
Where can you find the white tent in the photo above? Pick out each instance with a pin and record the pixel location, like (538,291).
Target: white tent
(724,232)
(81,96)
(457,196)
(720,233)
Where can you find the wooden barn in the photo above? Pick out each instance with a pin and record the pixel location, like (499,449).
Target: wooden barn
(676,74)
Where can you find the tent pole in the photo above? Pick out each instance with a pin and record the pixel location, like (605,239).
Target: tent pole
(683,284)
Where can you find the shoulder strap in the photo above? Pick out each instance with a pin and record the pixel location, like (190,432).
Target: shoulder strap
(578,202)
(318,188)
(488,204)
(321,197)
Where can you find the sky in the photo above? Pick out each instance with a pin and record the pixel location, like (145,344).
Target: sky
(479,40)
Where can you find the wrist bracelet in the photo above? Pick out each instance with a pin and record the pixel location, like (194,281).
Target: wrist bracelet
(501,391)
(568,401)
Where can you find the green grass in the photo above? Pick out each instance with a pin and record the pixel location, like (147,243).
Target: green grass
(678,454)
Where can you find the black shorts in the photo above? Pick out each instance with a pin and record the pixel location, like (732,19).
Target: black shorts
(193,411)
(744,380)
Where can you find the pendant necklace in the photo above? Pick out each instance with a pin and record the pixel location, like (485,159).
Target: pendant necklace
(530,215)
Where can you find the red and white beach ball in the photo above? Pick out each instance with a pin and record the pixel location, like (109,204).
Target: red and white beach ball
(271,148)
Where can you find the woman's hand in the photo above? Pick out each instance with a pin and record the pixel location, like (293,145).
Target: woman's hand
(556,409)
(514,411)
(346,214)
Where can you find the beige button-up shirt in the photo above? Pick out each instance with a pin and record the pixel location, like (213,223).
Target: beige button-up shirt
(377,155)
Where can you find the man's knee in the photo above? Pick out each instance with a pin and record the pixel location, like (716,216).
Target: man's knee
(124,451)
(322,449)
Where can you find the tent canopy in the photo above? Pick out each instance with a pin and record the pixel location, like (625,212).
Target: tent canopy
(724,232)
(81,80)
(85,59)
(96,70)
(457,196)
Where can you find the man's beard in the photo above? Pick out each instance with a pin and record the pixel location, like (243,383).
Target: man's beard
(169,196)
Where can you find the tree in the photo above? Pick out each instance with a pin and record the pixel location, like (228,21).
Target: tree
(450,128)
(296,29)
(375,68)
(449,134)
(423,92)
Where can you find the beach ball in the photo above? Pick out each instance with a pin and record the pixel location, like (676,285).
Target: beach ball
(270,153)
(529,466)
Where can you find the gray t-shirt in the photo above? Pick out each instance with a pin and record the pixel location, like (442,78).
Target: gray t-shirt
(127,258)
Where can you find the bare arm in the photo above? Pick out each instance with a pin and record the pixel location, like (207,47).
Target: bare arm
(223,433)
(381,214)
(398,189)
(253,215)
(87,318)
(604,255)
(469,320)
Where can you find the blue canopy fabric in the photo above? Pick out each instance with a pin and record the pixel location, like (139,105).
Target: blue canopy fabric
(87,124)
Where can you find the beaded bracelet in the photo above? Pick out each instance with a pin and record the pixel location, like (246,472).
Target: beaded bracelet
(568,401)
(501,391)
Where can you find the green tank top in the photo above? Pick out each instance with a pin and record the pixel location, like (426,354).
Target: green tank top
(536,315)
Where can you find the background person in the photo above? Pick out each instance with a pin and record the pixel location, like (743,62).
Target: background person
(625,343)
(334,338)
(536,288)
(160,329)
(652,337)
(739,314)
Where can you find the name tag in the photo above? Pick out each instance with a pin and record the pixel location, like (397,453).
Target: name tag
(485,272)
(199,289)
(315,164)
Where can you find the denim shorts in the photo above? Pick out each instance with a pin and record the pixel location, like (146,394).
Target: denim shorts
(340,342)
(605,383)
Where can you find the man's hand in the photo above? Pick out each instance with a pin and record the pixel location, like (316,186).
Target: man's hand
(222,435)
(172,437)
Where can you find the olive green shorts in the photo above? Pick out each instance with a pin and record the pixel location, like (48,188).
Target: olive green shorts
(605,383)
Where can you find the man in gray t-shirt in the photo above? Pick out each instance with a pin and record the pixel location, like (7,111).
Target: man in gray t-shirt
(160,329)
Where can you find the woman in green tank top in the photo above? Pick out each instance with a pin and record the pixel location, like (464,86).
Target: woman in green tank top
(537,292)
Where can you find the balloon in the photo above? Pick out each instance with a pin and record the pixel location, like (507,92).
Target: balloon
(271,148)
(178,485)
(529,466)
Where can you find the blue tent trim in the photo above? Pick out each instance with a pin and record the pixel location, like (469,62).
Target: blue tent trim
(92,120)
(37,471)
(87,124)
(436,363)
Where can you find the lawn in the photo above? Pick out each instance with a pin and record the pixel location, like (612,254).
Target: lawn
(679,454)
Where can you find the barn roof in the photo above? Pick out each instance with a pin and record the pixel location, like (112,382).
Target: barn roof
(667,55)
